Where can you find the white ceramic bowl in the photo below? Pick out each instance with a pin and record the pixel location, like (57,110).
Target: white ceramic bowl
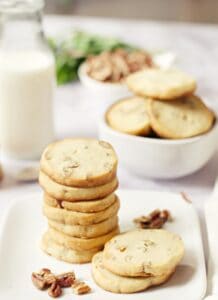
(104,94)
(160,158)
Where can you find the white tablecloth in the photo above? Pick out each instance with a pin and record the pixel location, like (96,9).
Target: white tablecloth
(197,49)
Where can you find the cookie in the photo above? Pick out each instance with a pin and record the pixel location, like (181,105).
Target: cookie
(79,243)
(129,116)
(77,218)
(50,247)
(80,162)
(161,83)
(63,192)
(120,284)
(183,118)
(89,231)
(81,206)
(143,253)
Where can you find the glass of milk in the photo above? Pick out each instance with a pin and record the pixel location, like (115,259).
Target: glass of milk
(27,81)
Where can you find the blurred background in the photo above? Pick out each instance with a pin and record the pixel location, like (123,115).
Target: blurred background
(167,10)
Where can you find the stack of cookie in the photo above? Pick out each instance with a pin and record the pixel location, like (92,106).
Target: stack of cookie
(136,260)
(78,177)
(164,106)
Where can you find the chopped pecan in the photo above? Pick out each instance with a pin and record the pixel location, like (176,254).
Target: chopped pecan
(55,290)
(157,223)
(154,214)
(155,220)
(38,281)
(80,287)
(122,248)
(165,214)
(66,279)
(43,279)
(115,66)
(74,164)
(45,271)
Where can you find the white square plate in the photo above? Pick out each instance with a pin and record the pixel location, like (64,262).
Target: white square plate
(20,254)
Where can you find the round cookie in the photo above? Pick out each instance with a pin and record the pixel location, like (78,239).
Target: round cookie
(50,247)
(80,162)
(77,218)
(89,231)
(129,116)
(143,253)
(63,192)
(120,284)
(79,243)
(164,84)
(182,118)
(81,206)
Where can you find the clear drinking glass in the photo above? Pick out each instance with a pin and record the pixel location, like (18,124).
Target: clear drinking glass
(27,80)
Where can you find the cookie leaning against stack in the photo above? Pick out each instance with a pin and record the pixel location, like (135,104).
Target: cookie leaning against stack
(135,260)
(164,103)
(78,177)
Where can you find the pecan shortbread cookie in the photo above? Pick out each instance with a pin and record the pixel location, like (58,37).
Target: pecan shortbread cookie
(129,116)
(80,162)
(78,218)
(81,206)
(68,193)
(49,246)
(161,84)
(87,231)
(81,244)
(143,253)
(182,118)
(120,284)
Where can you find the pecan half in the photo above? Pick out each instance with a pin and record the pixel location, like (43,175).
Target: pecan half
(66,279)
(43,279)
(80,287)
(155,220)
(55,290)
(38,281)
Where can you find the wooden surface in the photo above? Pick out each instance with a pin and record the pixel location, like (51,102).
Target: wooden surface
(177,10)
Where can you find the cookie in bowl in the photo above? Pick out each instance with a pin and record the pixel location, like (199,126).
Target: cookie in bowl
(163,84)
(182,118)
(129,116)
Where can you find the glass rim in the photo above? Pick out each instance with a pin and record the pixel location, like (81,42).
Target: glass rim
(21,6)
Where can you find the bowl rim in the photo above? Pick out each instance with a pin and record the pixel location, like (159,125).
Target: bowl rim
(150,140)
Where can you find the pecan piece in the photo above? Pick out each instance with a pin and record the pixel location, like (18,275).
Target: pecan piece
(157,223)
(38,281)
(43,279)
(122,248)
(55,290)
(80,287)
(74,164)
(66,279)
(155,220)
